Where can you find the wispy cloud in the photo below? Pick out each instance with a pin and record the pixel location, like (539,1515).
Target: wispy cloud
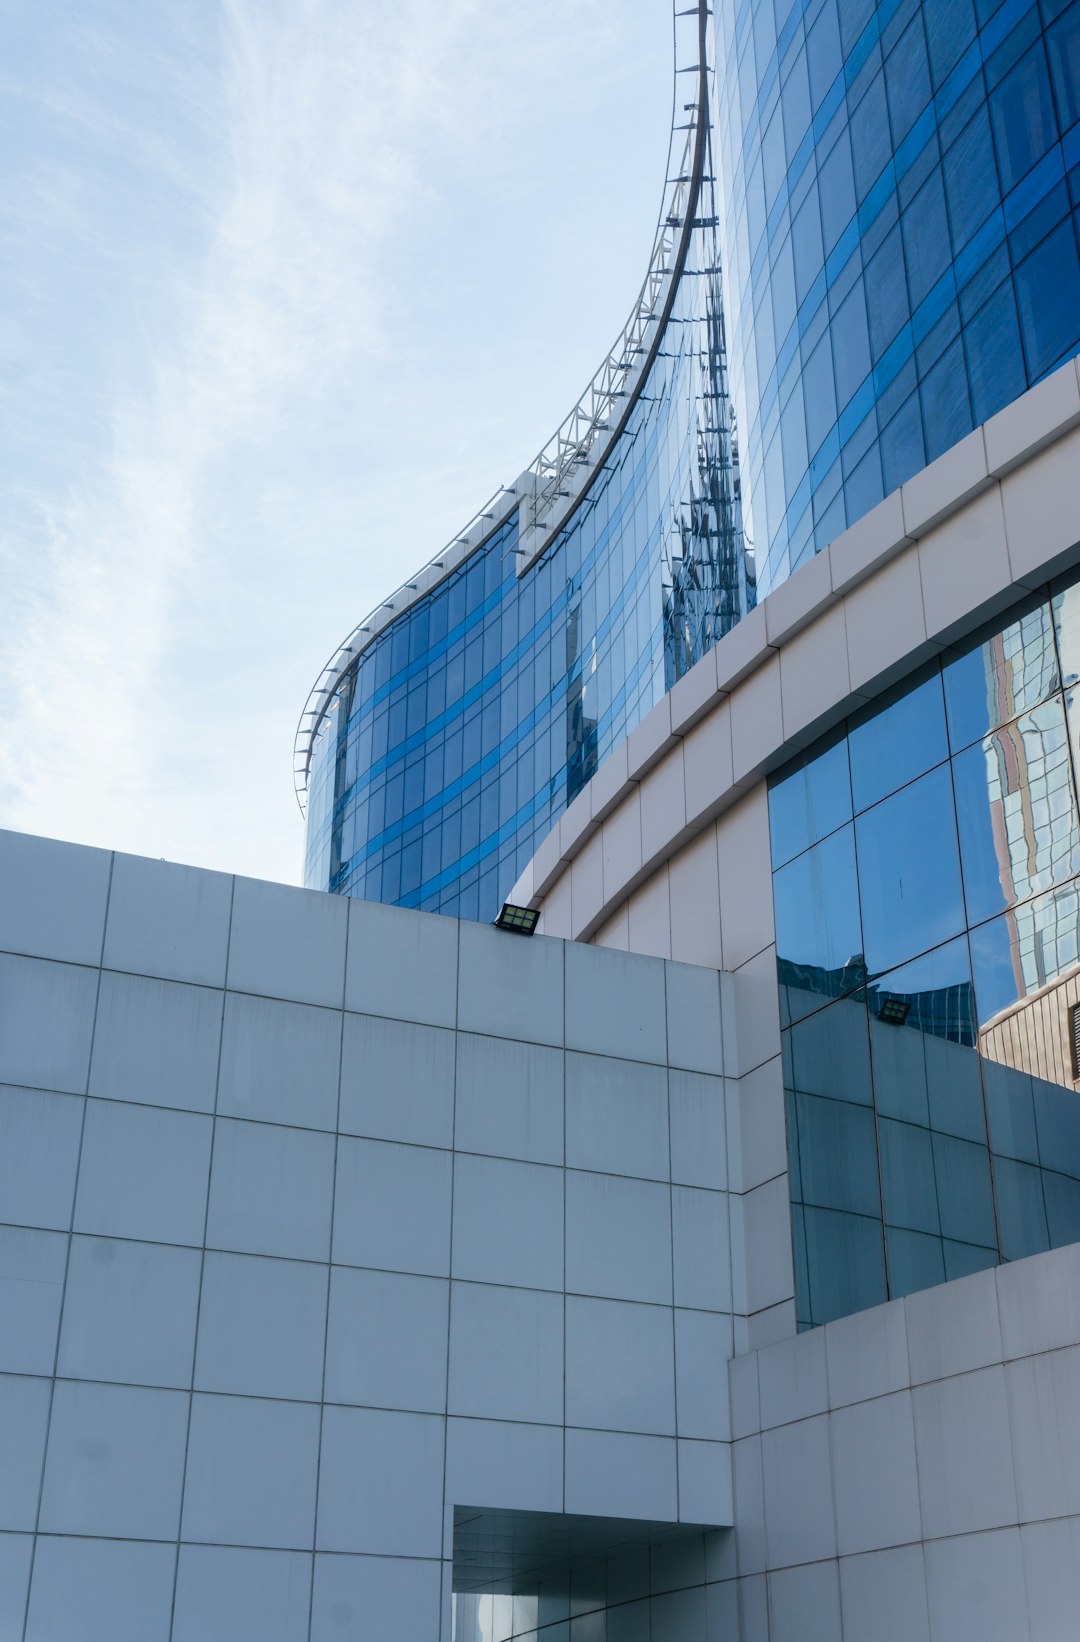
(238,215)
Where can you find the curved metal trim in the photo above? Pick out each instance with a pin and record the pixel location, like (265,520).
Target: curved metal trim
(575,453)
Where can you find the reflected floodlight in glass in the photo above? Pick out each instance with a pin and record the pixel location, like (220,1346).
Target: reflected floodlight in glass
(521,920)
(894,1011)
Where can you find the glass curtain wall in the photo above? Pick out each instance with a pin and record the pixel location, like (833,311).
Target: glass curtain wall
(461,733)
(926,887)
(900,205)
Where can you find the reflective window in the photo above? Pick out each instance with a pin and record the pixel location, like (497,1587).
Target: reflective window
(933,236)
(909,871)
(818,939)
(933,1099)
(895,743)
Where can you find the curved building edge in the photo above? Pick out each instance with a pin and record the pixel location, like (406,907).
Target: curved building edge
(584,439)
(440,749)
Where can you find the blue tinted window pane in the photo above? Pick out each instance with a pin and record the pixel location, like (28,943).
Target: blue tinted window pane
(817,919)
(1016,812)
(1046,284)
(907,1177)
(1023,115)
(909,872)
(1003,675)
(1061,1197)
(828,1053)
(1022,1227)
(915,1261)
(965,1202)
(810,802)
(837,1155)
(845,1255)
(893,744)
(1010,1112)
(1017,953)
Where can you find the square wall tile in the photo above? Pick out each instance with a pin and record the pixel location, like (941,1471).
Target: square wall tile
(701,1248)
(15,1553)
(280,1062)
(618,1237)
(168,920)
(883,1595)
(804,1603)
(620,1366)
(872,1441)
(510,987)
(953,1328)
(698,1130)
(115,1462)
(242,1595)
(867,1354)
(502,1466)
(694,895)
(397,1508)
(799,1524)
(271,1190)
(401,963)
(32,1266)
(616,1116)
(24,1415)
(745,878)
(695,1040)
(397,1081)
(975,1587)
(156,1042)
(46,1023)
(101,1590)
(762,1125)
(611,1473)
(509,1099)
(393,1596)
(615,1004)
(288,943)
(392,1207)
(508,1222)
(705,1483)
(129,1312)
(261,1327)
(648,915)
(143,1173)
(1051,1553)
(1043,1394)
(707,762)
(766,1214)
(251,1472)
(965,1464)
(1039,1302)
(506,1353)
(793,1380)
(386,1342)
(756,1015)
(52,898)
(40,1135)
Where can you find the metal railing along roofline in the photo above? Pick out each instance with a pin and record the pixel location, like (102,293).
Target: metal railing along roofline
(573,444)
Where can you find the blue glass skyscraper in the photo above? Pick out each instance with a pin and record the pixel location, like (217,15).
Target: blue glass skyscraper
(868,245)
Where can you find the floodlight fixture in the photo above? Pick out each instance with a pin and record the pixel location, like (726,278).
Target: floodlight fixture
(519,920)
(894,1010)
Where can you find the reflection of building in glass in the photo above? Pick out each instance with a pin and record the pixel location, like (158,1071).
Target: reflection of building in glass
(1037,1034)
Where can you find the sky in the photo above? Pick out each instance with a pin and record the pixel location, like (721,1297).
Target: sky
(287,289)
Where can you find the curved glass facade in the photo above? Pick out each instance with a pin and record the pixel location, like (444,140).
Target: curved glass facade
(927,893)
(900,207)
(462,731)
